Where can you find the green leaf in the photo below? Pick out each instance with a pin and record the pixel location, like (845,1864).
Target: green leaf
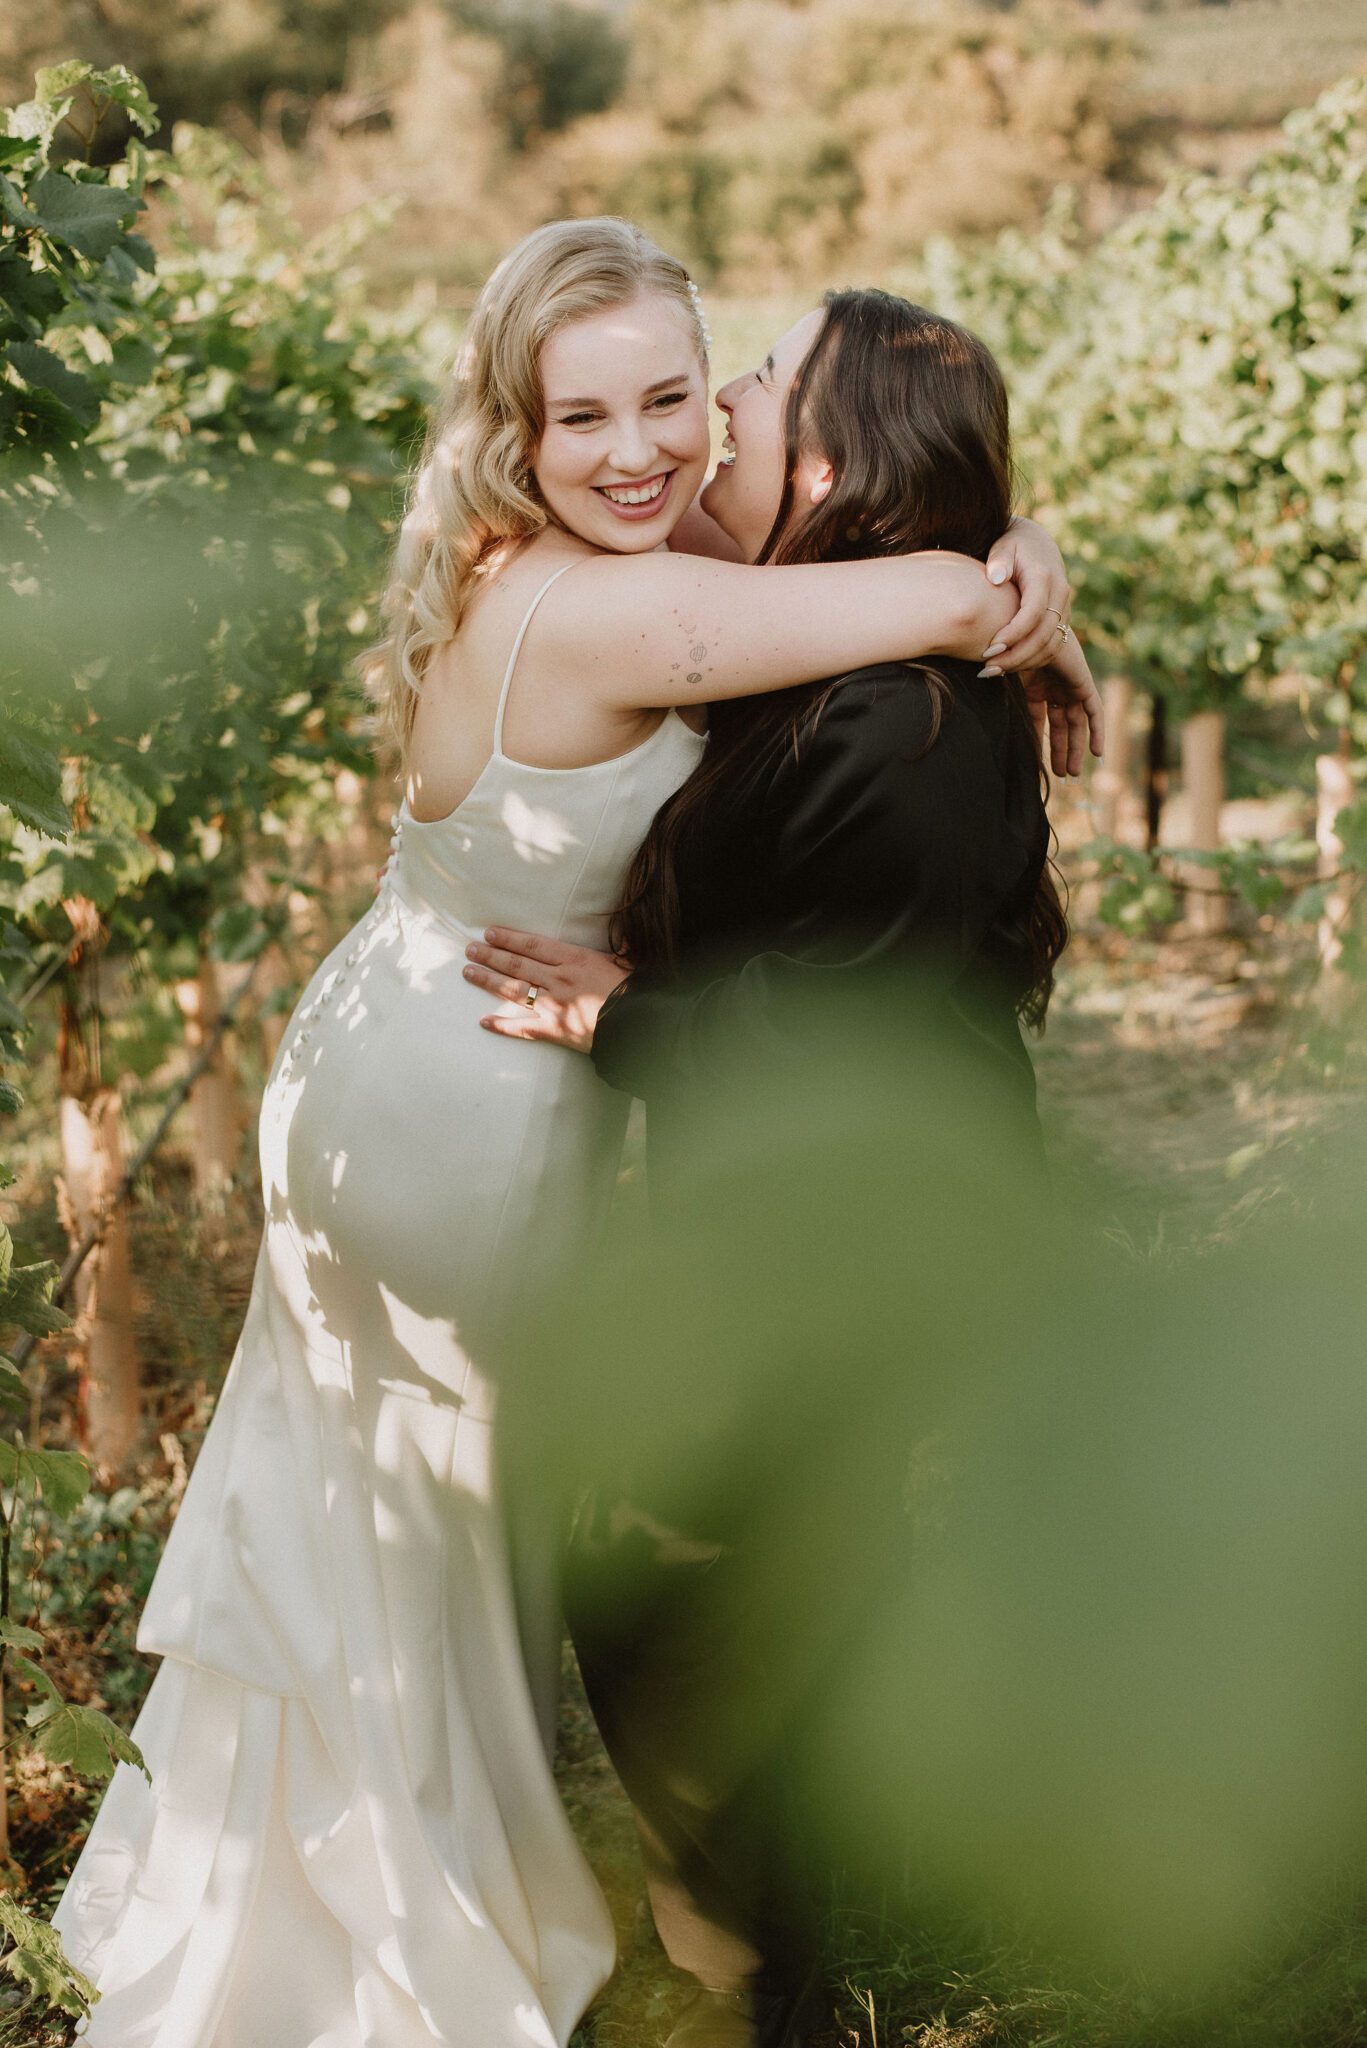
(11,1098)
(30,1310)
(6,1256)
(31,783)
(14,149)
(42,420)
(85,216)
(29,1673)
(31,297)
(134,361)
(1310,904)
(116,85)
(38,1960)
(61,1476)
(39,367)
(81,1737)
(13,206)
(56,85)
(18,1637)
(238,932)
(13,1390)
(1351,828)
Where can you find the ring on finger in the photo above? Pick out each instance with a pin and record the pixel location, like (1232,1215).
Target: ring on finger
(1055,610)
(532,993)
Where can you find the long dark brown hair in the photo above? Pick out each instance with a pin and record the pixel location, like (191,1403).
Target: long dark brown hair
(911,412)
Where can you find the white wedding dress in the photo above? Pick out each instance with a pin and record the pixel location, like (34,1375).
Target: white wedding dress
(352,1838)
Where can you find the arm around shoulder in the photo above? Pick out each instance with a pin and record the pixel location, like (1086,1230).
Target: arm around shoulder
(661,629)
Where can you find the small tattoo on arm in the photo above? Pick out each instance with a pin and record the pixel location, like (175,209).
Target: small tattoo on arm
(698,652)
(695,677)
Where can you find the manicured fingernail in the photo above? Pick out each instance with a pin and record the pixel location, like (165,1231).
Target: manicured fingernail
(991,670)
(996,574)
(995,648)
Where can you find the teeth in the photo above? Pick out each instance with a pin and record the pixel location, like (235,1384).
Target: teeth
(634,496)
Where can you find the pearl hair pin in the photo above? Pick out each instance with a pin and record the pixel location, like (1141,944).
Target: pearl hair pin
(701,316)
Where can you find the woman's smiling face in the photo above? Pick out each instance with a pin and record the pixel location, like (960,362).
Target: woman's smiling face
(625,443)
(745,493)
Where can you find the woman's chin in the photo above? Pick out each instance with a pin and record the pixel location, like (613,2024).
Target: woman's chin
(715,493)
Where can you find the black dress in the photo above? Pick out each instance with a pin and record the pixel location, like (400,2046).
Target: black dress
(881,862)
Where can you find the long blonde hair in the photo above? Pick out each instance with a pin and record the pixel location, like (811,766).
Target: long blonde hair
(473,488)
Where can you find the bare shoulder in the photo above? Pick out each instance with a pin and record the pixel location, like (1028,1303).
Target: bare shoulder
(496,610)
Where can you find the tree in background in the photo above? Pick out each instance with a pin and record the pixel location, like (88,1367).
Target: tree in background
(1188,399)
(198,61)
(560,62)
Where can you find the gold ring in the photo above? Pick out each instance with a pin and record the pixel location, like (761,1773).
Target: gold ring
(1055,610)
(1060,628)
(532,993)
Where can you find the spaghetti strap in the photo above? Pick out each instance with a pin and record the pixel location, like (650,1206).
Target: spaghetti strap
(517,649)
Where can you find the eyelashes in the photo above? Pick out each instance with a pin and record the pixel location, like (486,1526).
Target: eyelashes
(580,419)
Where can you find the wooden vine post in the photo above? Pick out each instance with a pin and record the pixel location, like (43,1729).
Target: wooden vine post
(1115,804)
(93,1166)
(1203,776)
(92,1169)
(1155,771)
(1335,790)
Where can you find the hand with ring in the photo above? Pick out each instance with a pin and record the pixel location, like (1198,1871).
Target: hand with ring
(1028,556)
(561,988)
(1066,705)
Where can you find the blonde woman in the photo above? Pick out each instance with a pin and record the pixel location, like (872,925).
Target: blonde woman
(351,1838)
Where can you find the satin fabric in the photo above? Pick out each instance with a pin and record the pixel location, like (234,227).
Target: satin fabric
(352,1838)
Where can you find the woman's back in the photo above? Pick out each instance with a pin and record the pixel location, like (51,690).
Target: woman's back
(877,873)
(554,718)
(907,818)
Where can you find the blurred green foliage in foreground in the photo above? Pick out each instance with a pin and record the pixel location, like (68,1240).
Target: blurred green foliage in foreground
(1046,1563)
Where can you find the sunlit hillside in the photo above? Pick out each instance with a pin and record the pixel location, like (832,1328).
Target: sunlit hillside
(768,142)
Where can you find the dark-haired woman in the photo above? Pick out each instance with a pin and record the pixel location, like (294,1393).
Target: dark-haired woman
(898,805)
(879,832)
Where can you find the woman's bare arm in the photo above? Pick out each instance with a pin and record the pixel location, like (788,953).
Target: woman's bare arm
(660,629)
